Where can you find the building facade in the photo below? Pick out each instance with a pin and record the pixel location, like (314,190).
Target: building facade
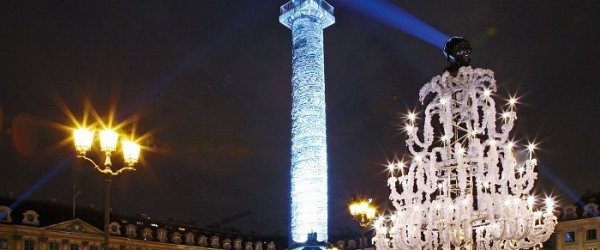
(579,224)
(47,226)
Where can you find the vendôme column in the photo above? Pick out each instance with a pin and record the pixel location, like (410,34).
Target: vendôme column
(307,19)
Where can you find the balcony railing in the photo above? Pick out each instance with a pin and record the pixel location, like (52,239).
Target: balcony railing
(317,3)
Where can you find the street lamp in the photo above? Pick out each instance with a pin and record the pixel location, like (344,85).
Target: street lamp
(84,138)
(364,213)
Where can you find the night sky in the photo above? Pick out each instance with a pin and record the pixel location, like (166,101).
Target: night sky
(207,84)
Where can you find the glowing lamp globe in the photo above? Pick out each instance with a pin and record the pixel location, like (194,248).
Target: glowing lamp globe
(108,140)
(83,139)
(371,212)
(353,209)
(131,152)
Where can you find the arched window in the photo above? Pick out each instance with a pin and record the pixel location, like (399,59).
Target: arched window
(189,238)
(147,234)
(161,235)
(214,242)
(227,243)
(114,228)
(570,213)
(30,217)
(176,237)
(202,241)
(5,214)
(590,210)
(130,231)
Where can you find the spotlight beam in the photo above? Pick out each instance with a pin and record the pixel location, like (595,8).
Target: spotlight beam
(385,12)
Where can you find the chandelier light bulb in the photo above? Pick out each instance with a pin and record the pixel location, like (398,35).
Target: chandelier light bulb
(549,202)
(443,101)
(530,201)
(391,167)
(487,92)
(412,116)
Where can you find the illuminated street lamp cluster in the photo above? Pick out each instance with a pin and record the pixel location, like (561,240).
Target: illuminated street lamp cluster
(464,187)
(84,139)
(362,211)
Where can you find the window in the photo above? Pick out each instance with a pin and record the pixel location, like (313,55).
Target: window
(93,247)
(176,237)
(130,231)
(74,247)
(53,246)
(147,234)
(189,239)
(570,214)
(30,217)
(29,245)
(3,244)
(570,237)
(161,235)
(591,234)
(5,214)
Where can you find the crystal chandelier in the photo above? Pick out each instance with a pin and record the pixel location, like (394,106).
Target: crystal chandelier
(464,187)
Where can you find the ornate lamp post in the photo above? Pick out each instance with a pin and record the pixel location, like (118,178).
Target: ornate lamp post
(84,138)
(364,212)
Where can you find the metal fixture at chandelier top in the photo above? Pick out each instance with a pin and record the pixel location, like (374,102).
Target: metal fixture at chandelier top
(464,188)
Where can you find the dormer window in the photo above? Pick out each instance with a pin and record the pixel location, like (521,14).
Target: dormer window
(570,213)
(176,237)
(5,214)
(114,228)
(147,234)
(214,242)
(161,235)
(30,217)
(189,238)
(130,231)
(590,210)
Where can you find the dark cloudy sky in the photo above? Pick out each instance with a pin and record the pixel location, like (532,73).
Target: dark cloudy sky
(209,81)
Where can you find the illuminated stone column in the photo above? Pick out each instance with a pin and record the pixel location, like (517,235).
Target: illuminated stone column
(307,19)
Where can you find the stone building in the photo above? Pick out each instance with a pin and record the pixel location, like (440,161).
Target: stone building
(579,224)
(38,225)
